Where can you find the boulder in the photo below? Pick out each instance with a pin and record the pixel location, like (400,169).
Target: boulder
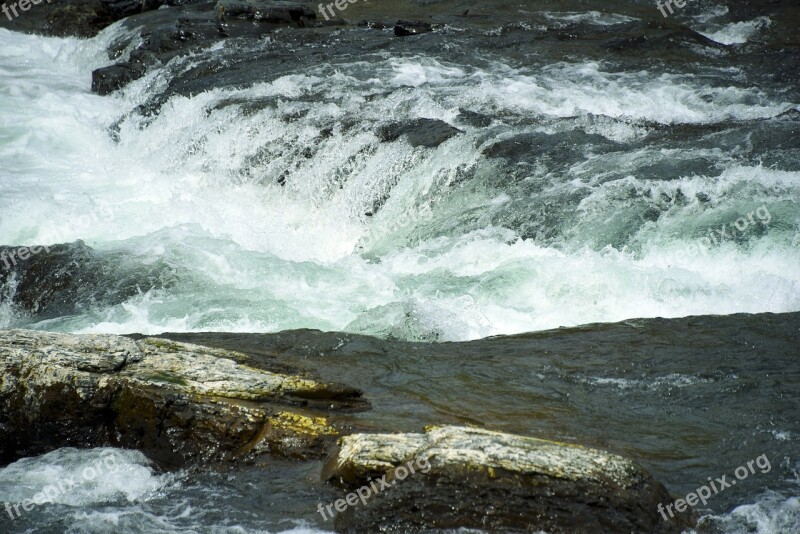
(106,80)
(471,478)
(178,403)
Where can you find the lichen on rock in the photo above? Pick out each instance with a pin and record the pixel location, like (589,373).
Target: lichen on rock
(179,403)
(476,478)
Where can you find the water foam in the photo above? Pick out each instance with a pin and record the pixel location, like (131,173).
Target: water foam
(737,32)
(771,513)
(95,475)
(199,188)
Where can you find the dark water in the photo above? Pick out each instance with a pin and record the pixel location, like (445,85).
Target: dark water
(688,398)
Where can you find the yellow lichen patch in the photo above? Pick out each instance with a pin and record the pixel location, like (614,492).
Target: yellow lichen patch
(294,384)
(301,424)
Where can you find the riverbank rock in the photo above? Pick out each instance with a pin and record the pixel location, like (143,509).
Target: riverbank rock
(178,403)
(472,478)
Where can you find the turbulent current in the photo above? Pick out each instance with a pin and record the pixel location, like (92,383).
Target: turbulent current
(578,192)
(498,178)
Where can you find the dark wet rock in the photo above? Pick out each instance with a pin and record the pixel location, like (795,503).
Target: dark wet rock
(404,28)
(566,147)
(373,25)
(664,39)
(61,18)
(106,80)
(119,9)
(61,280)
(84,19)
(473,118)
(263,10)
(167,33)
(789,115)
(419,132)
(178,403)
(472,478)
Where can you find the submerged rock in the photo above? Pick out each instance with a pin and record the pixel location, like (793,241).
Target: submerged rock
(404,28)
(419,132)
(178,403)
(472,478)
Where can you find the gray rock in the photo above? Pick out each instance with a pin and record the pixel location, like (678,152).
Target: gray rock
(472,478)
(419,132)
(177,402)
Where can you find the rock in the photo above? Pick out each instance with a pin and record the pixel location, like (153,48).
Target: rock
(179,403)
(669,38)
(419,132)
(404,28)
(373,24)
(84,19)
(106,80)
(471,478)
(66,279)
(120,9)
(167,33)
(263,10)
(569,147)
(789,115)
(473,118)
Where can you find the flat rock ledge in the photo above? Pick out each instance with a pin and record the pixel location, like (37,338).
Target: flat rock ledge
(472,478)
(179,403)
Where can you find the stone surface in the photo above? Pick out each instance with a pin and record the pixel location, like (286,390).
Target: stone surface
(106,80)
(178,403)
(496,481)
(404,28)
(422,132)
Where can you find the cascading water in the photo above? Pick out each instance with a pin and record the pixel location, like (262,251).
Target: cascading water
(276,206)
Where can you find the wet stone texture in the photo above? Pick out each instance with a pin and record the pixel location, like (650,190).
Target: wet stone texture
(179,403)
(472,478)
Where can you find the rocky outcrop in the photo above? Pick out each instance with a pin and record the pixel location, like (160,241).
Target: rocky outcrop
(490,480)
(190,26)
(179,403)
(184,404)
(83,18)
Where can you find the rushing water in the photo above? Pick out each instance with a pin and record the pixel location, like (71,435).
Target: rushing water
(603,221)
(584,187)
